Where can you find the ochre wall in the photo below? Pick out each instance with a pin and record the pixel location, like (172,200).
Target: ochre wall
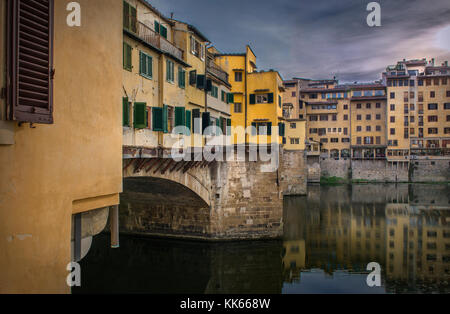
(73,165)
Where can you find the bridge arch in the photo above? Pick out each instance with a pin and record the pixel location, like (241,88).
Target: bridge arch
(194,176)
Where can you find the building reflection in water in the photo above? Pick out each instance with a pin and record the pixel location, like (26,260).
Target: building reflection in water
(330,237)
(405,228)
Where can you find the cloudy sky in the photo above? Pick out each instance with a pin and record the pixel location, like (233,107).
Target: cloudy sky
(321,38)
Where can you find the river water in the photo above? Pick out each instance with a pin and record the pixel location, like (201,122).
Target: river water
(330,236)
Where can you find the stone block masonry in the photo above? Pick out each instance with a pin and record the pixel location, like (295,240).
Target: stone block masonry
(232,200)
(430,170)
(294,172)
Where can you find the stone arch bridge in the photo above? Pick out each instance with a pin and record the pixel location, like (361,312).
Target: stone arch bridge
(233,199)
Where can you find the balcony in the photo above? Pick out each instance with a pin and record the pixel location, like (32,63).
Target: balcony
(216,70)
(151,37)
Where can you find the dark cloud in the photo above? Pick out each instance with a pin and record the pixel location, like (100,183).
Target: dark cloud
(320,39)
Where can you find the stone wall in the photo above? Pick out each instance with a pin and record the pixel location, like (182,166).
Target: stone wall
(379,170)
(248,203)
(432,170)
(313,164)
(244,201)
(335,168)
(294,172)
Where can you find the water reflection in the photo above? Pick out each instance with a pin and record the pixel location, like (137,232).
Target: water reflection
(330,237)
(405,228)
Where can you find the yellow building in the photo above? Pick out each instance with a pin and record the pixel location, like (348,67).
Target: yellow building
(295,134)
(257,97)
(418,109)
(60,134)
(328,119)
(368,121)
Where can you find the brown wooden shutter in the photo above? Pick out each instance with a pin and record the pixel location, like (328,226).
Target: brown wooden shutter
(30,60)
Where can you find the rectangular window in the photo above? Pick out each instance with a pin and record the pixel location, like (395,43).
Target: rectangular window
(392,107)
(127,59)
(140,115)
(129,17)
(29,60)
(237,107)
(368,117)
(368,128)
(447,106)
(181,77)
(238,76)
(358,128)
(392,119)
(392,95)
(170,73)
(392,131)
(145,65)
(378,128)
(345,117)
(193,78)
(157,119)
(432,106)
(358,117)
(432,94)
(313,118)
(432,130)
(378,140)
(432,118)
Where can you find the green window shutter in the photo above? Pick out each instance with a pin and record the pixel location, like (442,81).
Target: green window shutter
(270,98)
(127,57)
(142,63)
(252,99)
(209,85)
(188,119)
(281,129)
(269,128)
(133,19)
(228,132)
(125,111)
(157,119)
(223,96)
(180,116)
(126,15)
(146,116)
(230,97)
(279,101)
(163,31)
(206,121)
(254,128)
(140,113)
(156,27)
(149,66)
(165,119)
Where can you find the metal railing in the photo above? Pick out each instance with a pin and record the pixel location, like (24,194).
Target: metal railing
(153,38)
(217,71)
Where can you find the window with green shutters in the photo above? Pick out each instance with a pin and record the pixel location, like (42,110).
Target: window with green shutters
(140,115)
(252,99)
(228,132)
(214,91)
(163,31)
(270,98)
(180,116)
(281,129)
(126,111)
(129,17)
(145,65)
(181,77)
(157,119)
(170,73)
(279,101)
(230,98)
(160,29)
(223,96)
(188,119)
(127,60)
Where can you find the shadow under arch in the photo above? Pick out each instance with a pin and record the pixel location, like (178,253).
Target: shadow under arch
(162,207)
